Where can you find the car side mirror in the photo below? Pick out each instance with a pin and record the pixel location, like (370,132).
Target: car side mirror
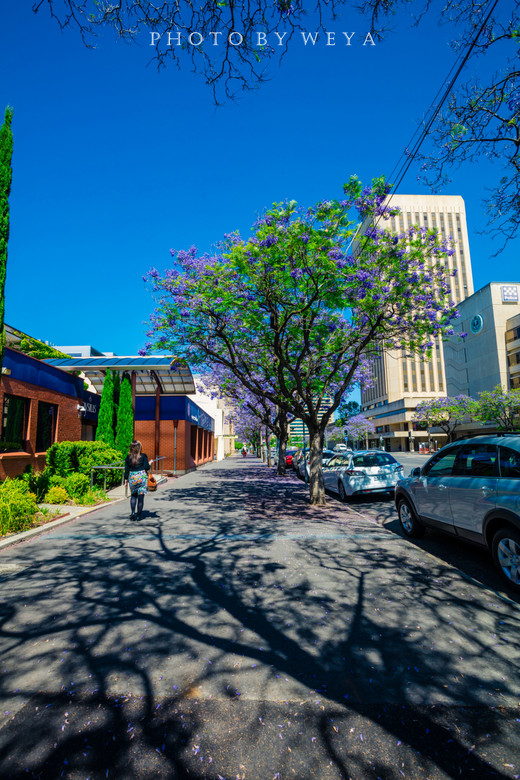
(416,472)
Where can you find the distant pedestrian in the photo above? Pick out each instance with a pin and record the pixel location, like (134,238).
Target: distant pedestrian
(136,476)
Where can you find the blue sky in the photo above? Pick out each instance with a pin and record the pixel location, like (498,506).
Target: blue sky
(115,163)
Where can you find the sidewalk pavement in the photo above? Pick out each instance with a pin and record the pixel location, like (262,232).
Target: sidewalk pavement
(238,631)
(68,512)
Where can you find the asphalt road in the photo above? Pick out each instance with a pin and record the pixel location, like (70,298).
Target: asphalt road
(237,632)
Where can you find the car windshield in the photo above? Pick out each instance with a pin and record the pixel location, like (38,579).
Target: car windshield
(371,459)
(338,460)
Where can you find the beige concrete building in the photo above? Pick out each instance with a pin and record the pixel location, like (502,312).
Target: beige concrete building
(490,354)
(401,380)
(513,350)
(221,411)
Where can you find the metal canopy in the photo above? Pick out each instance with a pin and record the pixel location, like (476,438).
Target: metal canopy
(149,372)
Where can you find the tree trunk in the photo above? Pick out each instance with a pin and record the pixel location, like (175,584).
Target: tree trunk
(449,431)
(282,444)
(268,446)
(316,484)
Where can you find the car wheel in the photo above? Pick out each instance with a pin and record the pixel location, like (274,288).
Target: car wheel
(506,555)
(342,492)
(409,523)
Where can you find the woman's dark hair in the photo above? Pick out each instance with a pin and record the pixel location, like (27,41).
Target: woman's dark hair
(135,452)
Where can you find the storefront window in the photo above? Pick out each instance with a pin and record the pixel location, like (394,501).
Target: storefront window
(46,426)
(14,423)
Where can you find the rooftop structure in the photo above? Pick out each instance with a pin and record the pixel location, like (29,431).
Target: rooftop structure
(148,373)
(85,350)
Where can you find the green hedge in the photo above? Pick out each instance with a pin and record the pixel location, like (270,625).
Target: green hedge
(77,485)
(72,457)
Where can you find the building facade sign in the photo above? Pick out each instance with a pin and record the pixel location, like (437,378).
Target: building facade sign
(173,407)
(510,293)
(91,404)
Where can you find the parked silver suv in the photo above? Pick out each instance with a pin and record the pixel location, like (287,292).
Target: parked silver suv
(470,489)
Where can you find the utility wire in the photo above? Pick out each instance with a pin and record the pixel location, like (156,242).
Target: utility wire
(450,84)
(401,170)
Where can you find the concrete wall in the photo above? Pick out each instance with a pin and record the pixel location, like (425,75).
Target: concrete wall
(479,361)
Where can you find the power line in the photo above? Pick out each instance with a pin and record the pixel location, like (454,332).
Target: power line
(435,109)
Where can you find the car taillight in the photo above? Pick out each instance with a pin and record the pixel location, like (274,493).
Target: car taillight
(353,472)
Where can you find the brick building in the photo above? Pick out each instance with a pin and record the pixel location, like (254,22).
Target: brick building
(168,424)
(40,405)
(184,434)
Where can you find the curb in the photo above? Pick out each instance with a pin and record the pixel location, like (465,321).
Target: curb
(68,518)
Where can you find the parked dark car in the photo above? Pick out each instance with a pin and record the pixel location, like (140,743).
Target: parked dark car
(469,489)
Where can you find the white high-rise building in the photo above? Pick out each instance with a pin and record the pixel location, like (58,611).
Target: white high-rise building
(402,381)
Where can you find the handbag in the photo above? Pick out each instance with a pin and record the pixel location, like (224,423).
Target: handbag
(152,483)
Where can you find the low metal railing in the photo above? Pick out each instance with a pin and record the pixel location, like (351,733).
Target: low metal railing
(163,458)
(119,466)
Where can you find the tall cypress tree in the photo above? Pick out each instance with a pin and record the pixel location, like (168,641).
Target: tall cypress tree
(116,378)
(105,428)
(6,175)
(125,417)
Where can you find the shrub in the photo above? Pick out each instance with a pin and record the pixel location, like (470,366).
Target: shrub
(66,457)
(93,497)
(97,453)
(38,482)
(56,495)
(60,458)
(57,481)
(18,506)
(77,485)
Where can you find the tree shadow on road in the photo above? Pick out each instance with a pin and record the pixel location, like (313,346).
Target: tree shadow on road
(240,632)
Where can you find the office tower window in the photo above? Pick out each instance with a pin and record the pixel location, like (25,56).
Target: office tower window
(404,364)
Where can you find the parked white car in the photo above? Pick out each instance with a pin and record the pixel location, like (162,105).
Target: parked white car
(326,455)
(363,471)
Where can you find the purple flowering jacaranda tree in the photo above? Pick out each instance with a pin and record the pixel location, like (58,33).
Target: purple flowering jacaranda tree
(258,409)
(358,428)
(247,427)
(296,315)
(445,413)
(499,406)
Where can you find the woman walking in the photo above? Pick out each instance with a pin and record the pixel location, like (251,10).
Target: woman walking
(136,475)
